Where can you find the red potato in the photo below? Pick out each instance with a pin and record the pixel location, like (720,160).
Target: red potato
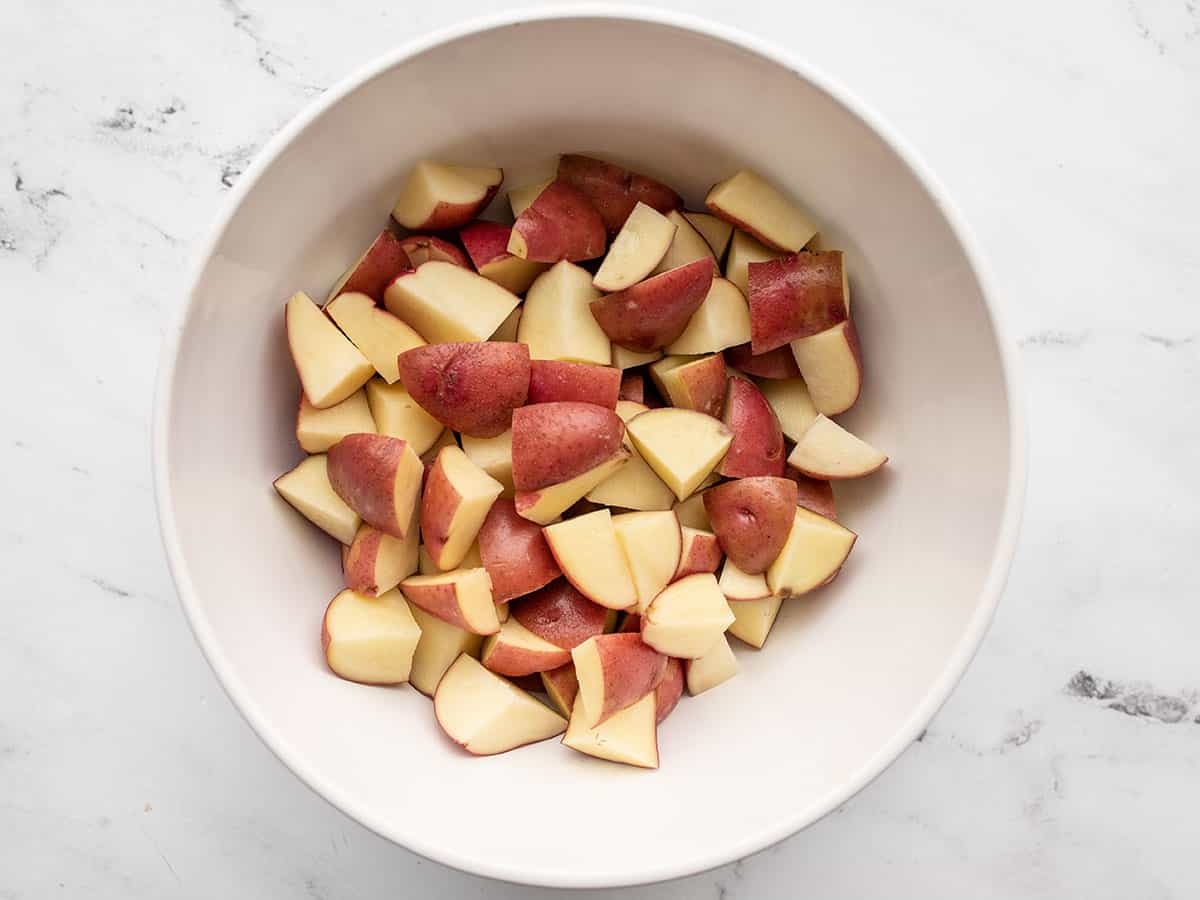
(614,191)
(687,618)
(380,336)
(561,687)
(633,387)
(828,451)
(421,248)
(757,447)
(701,553)
(774,364)
(470,387)
(330,367)
(654,312)
(831,363)
(750,202)
(487,245)
(615,671)
(560,224)
(697,384)
(815,550)
(514,552)
(375,269)
(378,477)
(554,442)
(551,381)
(795,297)
(813,494)
(370,640)
(561,615)
(456,499)
(544,505)
(437,196)
(376,562)
(518,653)
(669,690)
(751,518)
(462,597)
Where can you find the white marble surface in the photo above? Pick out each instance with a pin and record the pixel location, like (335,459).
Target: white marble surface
(1070,134)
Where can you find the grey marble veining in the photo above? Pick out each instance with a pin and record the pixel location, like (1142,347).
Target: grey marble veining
(1067,764)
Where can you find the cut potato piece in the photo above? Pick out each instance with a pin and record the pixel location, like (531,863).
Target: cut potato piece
(628,359)
(723,320)
(370,640)
(687,618)
(544,505)
(828,451)
(682,446)
(743,250)
(652,543)
(715,667)
(562,687)
(637,249)
(494,456)
(738,586)
(589,554)
(515,651)
(308,490)
(750,202)
(330,367)
(456,500)
(376,332)
(714,230)
(614,671)
(462,597)
(396,414)
(831,363)
(376,562)
(792,404)
(440,645)
(438,196)
(687,245)
(486,714)
(521,198)
(630,736)
(557,321)
(752,619)
(445,302)
(319,429)
(815,550)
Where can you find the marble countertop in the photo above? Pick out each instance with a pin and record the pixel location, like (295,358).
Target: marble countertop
(1068,762)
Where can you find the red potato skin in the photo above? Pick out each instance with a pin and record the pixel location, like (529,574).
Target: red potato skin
(633,387)
(564,681)
(757,447)
(517,663)
(421,248)
(553,380)
(631,669)
(654,312)
(362,471)
(384,260)
(814,494)
(751,518)
(669,690)
(514,552)
(554,442)
(702,554)
(358,561)
(439,502)
(439,600)
(485,242)
(794,297)
(560,615)
(615,191)
(446,216)
(776,364)
(705,381)
(470,387)
(561,224)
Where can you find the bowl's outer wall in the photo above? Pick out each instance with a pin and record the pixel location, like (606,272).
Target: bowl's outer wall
(845,673)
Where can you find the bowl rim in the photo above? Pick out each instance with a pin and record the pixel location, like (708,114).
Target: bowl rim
(410,837)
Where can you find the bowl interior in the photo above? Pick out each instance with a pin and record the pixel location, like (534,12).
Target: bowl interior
(848,675)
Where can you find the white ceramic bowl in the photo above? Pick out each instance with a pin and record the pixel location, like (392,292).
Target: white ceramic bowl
(849,676)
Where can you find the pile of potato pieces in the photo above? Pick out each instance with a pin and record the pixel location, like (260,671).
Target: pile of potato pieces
(538,444)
